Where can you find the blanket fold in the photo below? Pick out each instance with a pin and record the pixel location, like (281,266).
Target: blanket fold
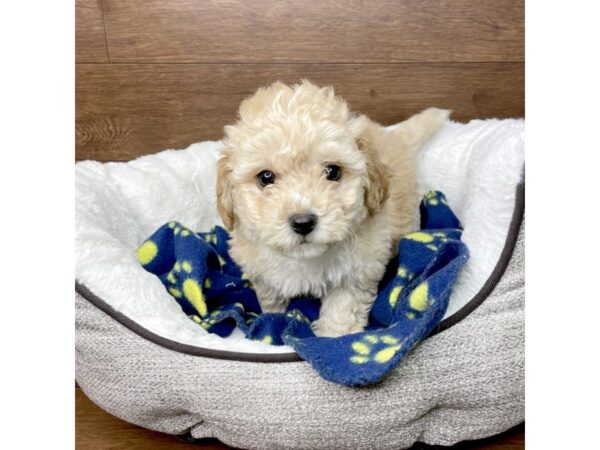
(198,272)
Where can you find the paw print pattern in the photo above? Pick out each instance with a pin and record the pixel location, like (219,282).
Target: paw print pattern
(247,282)
(207,322)
(297,315)
(431,240)
(372,348)
(418,300)
(211,238)
(404,276)
(434,198)
(147,252)
(267,339)
(190,289)
(216,317)
(180,230)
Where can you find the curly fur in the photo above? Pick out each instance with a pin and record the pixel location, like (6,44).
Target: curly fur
(295,132)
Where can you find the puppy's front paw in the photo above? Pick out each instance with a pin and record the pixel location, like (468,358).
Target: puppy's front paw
(326,328)
(269,299)
(343,311)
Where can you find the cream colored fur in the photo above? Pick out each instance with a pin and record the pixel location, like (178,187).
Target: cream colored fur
(295,132)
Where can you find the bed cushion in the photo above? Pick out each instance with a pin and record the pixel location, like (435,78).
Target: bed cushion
(466,382)
(118,205)
(139,357)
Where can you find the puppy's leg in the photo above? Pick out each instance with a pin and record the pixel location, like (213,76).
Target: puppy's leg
(270,301)
(344,310)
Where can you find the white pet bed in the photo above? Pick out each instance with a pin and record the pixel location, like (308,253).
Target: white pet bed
(139,356)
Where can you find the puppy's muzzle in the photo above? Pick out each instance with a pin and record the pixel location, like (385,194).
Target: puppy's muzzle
(303,224)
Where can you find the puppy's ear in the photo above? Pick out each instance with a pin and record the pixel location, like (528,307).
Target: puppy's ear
(224,194)
(377,190)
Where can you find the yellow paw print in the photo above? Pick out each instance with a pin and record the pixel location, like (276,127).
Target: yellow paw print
(211,238)
(428,239)
(178,269)
(246,278)
(190,287)
(433,198)
(251,317)
(207,323)
(179,229)
(419,299)
(405,277)
(267,339)
(371,348)
(295,314)
(147,252)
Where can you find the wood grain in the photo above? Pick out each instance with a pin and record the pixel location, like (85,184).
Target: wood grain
(96,429)
(126,110)
(90,42)
(314,30)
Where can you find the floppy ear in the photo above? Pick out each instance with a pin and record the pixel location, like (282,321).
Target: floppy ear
(224,194)
(377,189)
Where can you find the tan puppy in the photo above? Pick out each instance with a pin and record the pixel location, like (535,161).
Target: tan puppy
(316,198)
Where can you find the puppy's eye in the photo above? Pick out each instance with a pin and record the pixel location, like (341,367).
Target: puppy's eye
(333,172)
(265,178)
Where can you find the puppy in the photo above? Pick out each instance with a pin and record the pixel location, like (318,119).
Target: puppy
(316,199)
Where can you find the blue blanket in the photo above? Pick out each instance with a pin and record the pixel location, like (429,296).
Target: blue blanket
(198,272)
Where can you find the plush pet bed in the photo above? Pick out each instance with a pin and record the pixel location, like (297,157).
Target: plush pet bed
(142,359)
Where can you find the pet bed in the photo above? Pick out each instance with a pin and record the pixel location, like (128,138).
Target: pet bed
(139,357)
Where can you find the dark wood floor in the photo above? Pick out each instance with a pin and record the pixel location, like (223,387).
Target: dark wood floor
(98,430)
(158,74)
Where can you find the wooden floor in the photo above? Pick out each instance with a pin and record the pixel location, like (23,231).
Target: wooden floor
(98,430)
(158,74)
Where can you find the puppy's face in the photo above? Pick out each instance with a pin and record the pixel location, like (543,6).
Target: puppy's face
(293,176)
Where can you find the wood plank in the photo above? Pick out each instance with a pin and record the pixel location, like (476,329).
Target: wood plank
(315,30)
(90,42)
(126,110)
(96,429)
(513,439)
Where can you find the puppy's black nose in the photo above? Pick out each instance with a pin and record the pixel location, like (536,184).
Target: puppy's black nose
(303,223)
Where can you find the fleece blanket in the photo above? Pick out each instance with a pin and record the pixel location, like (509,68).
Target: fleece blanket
(197,271)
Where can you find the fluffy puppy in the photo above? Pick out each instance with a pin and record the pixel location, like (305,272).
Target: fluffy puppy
(316,198)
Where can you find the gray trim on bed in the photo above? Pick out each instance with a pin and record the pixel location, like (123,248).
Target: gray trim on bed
(193,350)
(496,275)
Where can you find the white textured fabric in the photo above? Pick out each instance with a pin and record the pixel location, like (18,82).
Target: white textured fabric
(477,166)
(118,205)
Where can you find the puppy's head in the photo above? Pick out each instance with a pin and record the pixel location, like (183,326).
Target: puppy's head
(295,174)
